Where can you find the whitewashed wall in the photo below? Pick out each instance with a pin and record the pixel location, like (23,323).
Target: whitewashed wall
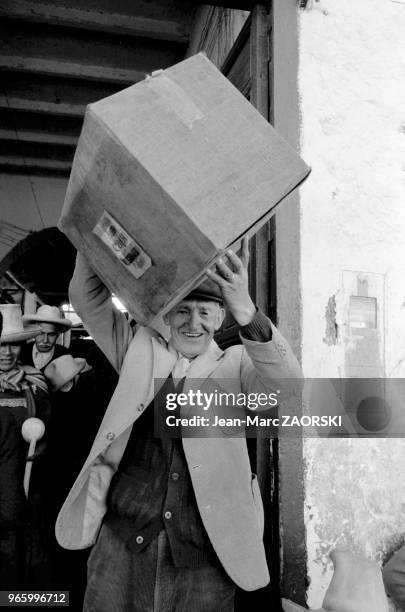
(352,230)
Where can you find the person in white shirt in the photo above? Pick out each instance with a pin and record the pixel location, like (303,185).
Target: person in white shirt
(44,349)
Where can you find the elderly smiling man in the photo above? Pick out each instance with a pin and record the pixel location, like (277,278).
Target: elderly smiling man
(181,519)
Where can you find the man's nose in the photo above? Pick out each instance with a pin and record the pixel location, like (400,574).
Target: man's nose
(194,320)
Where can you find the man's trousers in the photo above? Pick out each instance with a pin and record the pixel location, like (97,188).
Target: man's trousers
(121,580)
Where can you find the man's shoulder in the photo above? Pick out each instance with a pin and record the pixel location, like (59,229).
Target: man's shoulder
(146,334)
(234,347)
(234,351)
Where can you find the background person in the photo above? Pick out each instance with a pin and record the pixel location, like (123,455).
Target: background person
(45,349)
(78,406)
(11,499)
(23,394)
(12,503)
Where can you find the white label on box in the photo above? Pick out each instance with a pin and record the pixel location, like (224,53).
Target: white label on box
(128,252)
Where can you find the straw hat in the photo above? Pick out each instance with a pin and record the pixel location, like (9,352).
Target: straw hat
(63,369)
(48,314)
(13,328)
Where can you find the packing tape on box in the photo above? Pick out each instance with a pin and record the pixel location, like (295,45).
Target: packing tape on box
(181,104)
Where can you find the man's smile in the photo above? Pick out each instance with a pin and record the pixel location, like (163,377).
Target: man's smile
(192,334)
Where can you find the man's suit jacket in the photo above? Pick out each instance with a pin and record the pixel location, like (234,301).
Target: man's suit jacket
(227,495)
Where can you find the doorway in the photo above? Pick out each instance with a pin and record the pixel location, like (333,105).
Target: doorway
(248,66)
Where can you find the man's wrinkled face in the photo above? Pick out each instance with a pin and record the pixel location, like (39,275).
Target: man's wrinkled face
(46,340)
(9,354)
(193,324)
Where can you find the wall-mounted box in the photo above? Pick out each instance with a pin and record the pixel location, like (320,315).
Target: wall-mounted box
(167,174)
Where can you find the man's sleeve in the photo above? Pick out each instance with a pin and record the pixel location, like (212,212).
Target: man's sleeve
(92,301)
(268,362)
(259,329)
(394,577)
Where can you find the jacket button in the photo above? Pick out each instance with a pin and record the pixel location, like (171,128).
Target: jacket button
(168,515)
(141,407)
(110,436)
(139,539)
(175,476)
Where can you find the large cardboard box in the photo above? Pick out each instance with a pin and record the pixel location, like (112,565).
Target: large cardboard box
(167,174)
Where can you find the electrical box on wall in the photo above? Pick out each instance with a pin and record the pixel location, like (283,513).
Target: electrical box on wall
(364,392)
(363,332)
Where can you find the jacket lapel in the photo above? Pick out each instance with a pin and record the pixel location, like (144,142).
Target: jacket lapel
(163,363)
(147,359)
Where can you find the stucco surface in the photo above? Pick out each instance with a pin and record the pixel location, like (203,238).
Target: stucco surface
(352,220)
(352,92)
(355,499)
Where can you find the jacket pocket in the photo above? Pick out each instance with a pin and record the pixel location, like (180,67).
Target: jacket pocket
(257,499)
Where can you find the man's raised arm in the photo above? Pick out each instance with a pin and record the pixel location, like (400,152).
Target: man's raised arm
(268,361)
(106,324)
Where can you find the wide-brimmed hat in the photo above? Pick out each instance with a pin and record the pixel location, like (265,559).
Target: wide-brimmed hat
(48,314)
(13,326)
(63,369)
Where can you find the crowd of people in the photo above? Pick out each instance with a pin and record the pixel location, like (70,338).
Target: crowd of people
(172,524)
(51,404)
(178,523)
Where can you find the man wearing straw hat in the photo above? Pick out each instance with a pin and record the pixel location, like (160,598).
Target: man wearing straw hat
(23,394)
(181,519)
(22,387)
(45,349)
(11,499)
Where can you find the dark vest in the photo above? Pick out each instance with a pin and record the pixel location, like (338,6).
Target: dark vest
(152,490)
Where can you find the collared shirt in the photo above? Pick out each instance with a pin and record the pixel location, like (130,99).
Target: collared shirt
(40,360)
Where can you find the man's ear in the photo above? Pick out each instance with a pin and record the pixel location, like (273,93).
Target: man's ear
(220,318)
(166,318)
